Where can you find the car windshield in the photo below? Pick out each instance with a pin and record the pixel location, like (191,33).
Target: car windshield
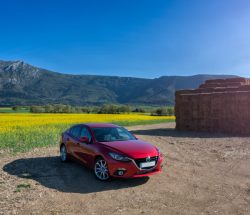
(110,134)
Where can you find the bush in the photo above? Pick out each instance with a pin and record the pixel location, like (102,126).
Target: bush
(85,109)
(114,109)
(16,108)
(104,109)
(124,109)
(37,109)
(48,108)
(139,110)
(58,108)
(108,109)
(163,111)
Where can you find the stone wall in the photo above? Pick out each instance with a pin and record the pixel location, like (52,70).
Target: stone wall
(221,105)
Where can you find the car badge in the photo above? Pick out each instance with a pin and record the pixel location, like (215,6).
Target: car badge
(148,159)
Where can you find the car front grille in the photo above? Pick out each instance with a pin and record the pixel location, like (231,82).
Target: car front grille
(144,160)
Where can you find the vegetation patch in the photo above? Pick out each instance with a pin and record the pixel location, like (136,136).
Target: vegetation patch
(19,187)
(22,132)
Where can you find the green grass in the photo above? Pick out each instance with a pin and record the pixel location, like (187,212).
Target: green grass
(9,110)
(23,139)
(19,187)
(144,122)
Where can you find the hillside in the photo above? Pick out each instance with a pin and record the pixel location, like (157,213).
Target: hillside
(23,84)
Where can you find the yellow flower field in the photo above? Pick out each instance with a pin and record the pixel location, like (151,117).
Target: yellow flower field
(21,132)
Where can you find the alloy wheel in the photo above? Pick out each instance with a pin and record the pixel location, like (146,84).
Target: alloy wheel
(63,153)
(101,170)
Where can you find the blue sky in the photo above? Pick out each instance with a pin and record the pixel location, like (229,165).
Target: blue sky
(138,38)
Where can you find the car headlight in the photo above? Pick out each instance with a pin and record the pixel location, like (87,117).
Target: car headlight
(159,152)
(118,157)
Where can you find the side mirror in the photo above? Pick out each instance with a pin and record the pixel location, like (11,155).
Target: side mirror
(84,139)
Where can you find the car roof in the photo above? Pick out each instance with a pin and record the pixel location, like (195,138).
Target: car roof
(101,125)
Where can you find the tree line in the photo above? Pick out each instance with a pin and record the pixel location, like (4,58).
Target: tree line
(104,109)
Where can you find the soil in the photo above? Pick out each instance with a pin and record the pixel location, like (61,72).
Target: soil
(203,174)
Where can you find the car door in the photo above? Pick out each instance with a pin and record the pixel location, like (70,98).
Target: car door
(72,141)
(85,151)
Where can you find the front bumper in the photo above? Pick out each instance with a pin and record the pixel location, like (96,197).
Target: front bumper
(131,170)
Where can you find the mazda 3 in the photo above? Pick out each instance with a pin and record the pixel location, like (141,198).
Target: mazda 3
(110,150)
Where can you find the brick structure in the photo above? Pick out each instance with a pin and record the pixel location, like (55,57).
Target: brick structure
(221,105)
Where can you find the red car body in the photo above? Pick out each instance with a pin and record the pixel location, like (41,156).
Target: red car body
(88,150)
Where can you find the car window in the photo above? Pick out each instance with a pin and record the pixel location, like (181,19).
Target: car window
(123,134)
(109,134)
(85,133)
(75,131)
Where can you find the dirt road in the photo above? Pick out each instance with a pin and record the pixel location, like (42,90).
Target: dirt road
(203,174)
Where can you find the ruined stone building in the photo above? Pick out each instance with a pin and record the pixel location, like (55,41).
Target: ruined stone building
(221,105)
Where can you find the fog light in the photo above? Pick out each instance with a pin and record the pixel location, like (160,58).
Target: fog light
(120,172)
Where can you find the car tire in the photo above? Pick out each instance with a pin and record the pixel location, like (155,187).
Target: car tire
(101,169)
(63,153)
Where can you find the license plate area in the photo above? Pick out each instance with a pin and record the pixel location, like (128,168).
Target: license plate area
(147,164)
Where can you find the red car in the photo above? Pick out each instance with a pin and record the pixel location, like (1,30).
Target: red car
(110,150)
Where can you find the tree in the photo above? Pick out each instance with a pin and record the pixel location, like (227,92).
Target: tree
(15,108)
(37,109)
(124,109)
(163,111)
(48,108)
(139,110)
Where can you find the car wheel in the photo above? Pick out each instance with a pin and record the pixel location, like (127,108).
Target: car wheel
(63,153)
(101,169)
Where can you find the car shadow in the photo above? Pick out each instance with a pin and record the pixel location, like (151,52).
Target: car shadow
(172,132)
(68,177)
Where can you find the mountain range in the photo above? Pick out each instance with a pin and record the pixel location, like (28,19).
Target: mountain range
(24,84)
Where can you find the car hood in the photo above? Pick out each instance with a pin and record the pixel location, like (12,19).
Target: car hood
(133,148)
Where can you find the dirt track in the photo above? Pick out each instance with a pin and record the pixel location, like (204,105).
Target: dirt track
(203,174)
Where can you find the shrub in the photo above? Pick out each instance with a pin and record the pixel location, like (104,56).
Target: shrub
(139,110)
(37,109)
(163,111)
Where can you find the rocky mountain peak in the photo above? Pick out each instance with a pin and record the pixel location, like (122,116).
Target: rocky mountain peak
(17,73)
(20,68)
